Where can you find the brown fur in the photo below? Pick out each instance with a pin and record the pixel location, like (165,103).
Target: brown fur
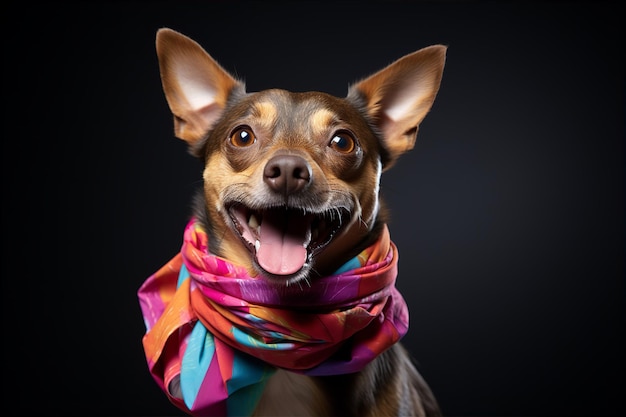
(308,154)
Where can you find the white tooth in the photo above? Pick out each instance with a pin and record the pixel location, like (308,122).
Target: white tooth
(257,244)
(253,222)
(307,238)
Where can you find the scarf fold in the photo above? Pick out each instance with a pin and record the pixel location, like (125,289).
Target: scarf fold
(214,334)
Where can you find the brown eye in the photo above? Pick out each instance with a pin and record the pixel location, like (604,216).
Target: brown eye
(242,137)
(342,142)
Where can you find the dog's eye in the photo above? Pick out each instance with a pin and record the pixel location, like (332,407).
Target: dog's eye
(342,142)
(242,137)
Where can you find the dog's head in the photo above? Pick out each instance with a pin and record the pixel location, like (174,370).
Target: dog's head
(291,180)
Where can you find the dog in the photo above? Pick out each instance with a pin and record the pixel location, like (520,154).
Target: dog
(290,194)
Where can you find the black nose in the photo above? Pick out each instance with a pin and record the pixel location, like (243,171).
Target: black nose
(287,174)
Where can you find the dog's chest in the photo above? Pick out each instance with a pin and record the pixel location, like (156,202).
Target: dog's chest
(290,394)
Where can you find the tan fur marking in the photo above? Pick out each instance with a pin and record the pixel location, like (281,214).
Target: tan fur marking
(265,113)
(320,120)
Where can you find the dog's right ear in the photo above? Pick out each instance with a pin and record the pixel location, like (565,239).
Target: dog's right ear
(196,86)
(398,97)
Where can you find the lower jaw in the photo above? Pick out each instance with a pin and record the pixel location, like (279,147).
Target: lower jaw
(303,275)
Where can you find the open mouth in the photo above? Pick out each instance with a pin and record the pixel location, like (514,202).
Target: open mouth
(283,240)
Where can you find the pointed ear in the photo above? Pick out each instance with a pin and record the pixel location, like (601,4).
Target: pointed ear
(196,86)
(398,97)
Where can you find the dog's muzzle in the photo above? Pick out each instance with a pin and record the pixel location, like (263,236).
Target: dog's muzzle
(282,233)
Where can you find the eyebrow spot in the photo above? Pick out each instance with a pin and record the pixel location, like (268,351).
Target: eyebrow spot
(321,120)
(266,113)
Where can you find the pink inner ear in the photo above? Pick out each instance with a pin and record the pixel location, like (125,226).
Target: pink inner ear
(401,102)
(192,83)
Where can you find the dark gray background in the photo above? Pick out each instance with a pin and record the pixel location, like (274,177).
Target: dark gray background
(508,214)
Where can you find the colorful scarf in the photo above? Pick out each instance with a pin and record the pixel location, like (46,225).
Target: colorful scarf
(218,334)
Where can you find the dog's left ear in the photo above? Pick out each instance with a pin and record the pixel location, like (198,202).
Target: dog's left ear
(398,97)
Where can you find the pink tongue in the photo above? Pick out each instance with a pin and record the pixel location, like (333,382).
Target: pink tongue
(282,238)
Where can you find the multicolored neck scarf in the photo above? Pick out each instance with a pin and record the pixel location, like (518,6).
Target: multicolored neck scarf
(215,335)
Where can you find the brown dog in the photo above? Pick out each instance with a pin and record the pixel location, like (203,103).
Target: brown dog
(291,192)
